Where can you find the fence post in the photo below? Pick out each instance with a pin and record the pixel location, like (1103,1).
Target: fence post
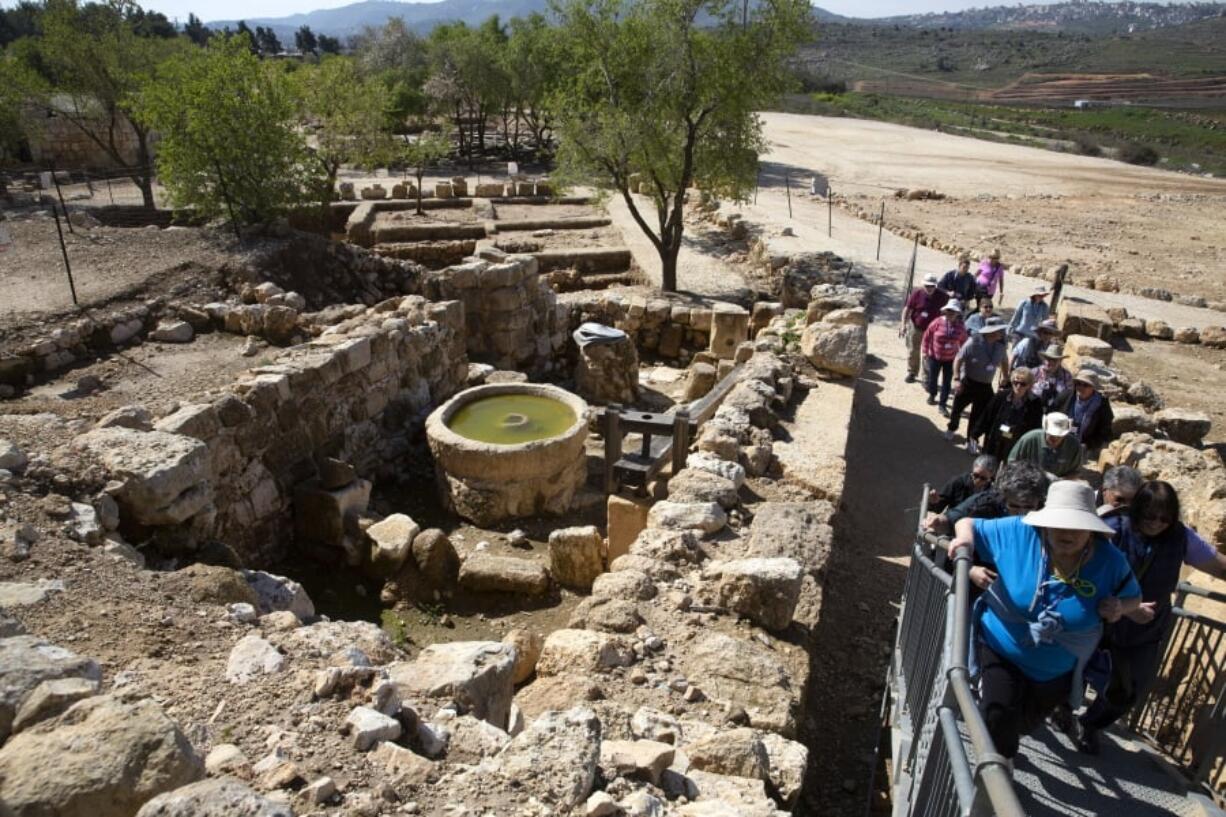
(60,195)
(829,210)
(880,229)
(72,287)
(110,192)
(787,181)
(612,446)
(681,439)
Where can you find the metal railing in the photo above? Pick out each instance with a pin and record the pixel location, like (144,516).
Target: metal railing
(945,761)
(1184,714)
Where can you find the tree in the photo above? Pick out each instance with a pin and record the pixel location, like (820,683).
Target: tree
(422,154)
(349,112)
(20,21)
(267,42)
(196,31)
(652,93)
(230,142)
(533,61)
(253,44)
(305,40)
(89,68)
(397,56)
(328,45)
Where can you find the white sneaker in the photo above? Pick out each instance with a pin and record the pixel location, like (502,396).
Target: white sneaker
(972,447)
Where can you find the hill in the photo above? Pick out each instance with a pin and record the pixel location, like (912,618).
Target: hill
(1071,18)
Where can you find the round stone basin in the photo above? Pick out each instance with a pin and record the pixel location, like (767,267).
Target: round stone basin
(509,450)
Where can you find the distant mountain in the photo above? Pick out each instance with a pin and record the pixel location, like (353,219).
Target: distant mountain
(421,17)
(1077,17)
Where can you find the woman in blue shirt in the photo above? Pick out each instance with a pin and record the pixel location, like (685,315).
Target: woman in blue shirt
(1041,620)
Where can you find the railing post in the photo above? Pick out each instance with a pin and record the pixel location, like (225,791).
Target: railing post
(681,439)
(612,446)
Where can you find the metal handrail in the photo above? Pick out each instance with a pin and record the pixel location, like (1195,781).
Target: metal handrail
(937,765)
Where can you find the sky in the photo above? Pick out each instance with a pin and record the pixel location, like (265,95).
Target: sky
(249,9)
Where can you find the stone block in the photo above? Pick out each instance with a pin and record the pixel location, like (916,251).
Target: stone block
(320,515)
(1091,347)
(443,190)
(477,675)
(576,556)
(729,329)
(762,590)
(580,651)
(626,520)
(707,517)
(838,349)
(1080,318)
(1184,426)
(486,573)
(608,372)
(390,542)
(700,379)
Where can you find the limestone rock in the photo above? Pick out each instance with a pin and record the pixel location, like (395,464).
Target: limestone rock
(1213,336)
(798,530)
(101,758)
(729,329)
(1188,335)
(583,651)
(172,331)
(135,417)
(605,615)
(644,759)
(1082,318)
(715,465)
(788,762)
(473,739)
(252,657)
(322,516)
(701,485)
(838,349)
(369,726)
(700,379)
(220,797)
(211,584)
(527,646)
(1131,418)
(555,759)
(402,767)
(671,546)
(276,593)
(50,698)
(608,372)
(390,541)
(1159,330)
(736,752)
(486,573)
(576,556)
(12,458)
(26,661)
(856,316)
(763,590)
(707,517)
(1133,328)
(477,675)
(1083,346)
(226,758)
(436,558)
(630,585)
(163,477)
(650,724)
(746,674)
(1183,426)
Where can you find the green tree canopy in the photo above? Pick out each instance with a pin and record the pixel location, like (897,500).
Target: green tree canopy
(666,91)
(421,154)
(196,30)
(230,142)
(305,40)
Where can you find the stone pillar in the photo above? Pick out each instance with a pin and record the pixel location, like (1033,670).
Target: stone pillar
(729,329)
(627,519)
(608,372)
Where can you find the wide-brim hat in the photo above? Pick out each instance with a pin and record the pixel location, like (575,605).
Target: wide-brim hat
(991,326)
(1069,506)
(1049,326)
(1040,289)
(952,306)
(930,280)
(1054,351)
(1087,376)
(1057,424)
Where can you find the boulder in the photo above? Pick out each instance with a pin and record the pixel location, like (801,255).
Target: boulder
(721,467)
(642,759)
(401,766)
(1131,418)
(486,573)
(1213,336)
(797,530)
(219,797)
(857,316)
(1187,335)
(476,675)
(227,758)
(608,372)
(583,651)
(788,762)
(736,752)
(630,585)
(576,556)
(278,593)
(707,517)
(252,657)
(1092,347)
(163,478)
(555,759)
(606,615)
(671,546)
(391,539)
(701,485)
(1159,330)
(653,725)
(764,591)
(838,349)
(436,558)
(527,646)
(369,726)
(1132,328)
(210,584)
(102,758)
(50,698)
(323,516)
(173,331)
(700,379)
(1184,426)
(135,417)
(741,672)
(26,661)
(1081,318)
(12,458)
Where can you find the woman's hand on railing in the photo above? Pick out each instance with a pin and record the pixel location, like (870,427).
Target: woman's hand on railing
(982,577)
(964,537)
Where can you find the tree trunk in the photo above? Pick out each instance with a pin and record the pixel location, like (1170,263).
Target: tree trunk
(144,176)
(668,264)
(145,183)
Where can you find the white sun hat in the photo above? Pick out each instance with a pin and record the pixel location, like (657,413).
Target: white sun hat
(930,280)
(1057,424)
(952,306)
(1040,289)
(1069,506)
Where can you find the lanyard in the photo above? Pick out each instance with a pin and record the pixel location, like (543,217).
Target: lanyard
(1074,583)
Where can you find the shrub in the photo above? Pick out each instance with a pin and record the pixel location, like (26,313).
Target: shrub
(1136,154)
(1086,146)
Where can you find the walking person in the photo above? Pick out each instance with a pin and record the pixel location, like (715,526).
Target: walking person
(942,340)
(991,277)
(1157,546)
(959,283)
(1054,447)
(984,310)
(1010,414)
(922,308)
(1120,484)
(979,362)
(1052,382)
(1030,312)
(1090,411)
(1028,351)
(1057,580)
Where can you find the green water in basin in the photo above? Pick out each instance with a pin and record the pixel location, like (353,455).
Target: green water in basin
(507,419)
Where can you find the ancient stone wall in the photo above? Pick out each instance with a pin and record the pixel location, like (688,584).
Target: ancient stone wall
(54,139)
(658,326)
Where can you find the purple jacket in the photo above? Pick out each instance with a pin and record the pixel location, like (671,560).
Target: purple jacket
(989,277)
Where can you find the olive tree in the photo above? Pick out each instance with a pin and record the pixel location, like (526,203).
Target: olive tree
(665,91)
(230,144)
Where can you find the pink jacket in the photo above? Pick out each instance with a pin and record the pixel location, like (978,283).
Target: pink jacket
(942,340)
(990,275)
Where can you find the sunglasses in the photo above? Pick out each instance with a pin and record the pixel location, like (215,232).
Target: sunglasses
(981,477)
